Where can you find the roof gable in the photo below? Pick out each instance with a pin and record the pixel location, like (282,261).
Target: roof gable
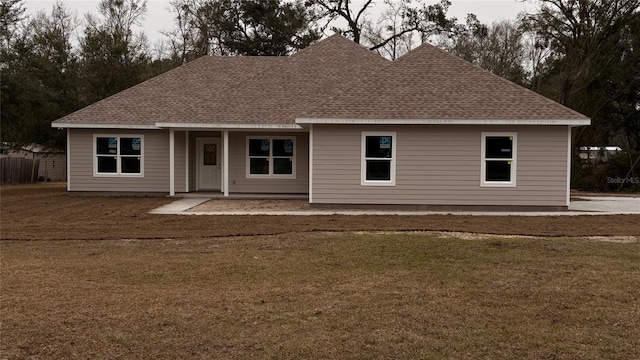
(281,93)
(429,83)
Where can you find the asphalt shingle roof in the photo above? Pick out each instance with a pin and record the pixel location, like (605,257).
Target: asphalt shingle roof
(332,79)
(429,83)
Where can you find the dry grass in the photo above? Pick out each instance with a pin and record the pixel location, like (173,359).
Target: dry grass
(286,287)
(321,295)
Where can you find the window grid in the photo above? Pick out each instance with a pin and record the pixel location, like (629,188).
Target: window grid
(271,158)
(100,157)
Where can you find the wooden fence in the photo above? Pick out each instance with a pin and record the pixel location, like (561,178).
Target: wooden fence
(18,170)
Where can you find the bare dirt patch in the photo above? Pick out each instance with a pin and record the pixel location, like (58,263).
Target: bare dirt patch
(47,212)
(253,205)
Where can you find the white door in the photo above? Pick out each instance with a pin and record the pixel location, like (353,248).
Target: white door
(209,167)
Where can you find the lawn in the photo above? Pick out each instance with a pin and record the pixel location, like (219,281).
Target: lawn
(156,286)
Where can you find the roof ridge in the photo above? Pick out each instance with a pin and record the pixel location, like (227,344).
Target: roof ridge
(500,78)
(314,44)
(324,41)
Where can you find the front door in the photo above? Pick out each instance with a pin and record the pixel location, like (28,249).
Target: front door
(209,166)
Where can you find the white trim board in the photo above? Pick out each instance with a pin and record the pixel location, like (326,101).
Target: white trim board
(192,126)
(101,126)
(574,122)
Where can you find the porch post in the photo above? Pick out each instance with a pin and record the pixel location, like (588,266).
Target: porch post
(310,163)
(569,150)
(186,162)
(225,162)
(68,169)
(172,163)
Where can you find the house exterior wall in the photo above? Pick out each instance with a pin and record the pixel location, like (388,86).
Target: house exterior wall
(156,162)
(240,183)
(440,165)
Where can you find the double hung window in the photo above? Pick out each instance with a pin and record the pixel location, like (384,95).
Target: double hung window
(378,167)
(498,166)
(118,155)
(271,157)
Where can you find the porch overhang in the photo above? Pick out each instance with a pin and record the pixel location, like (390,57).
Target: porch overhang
(228,127)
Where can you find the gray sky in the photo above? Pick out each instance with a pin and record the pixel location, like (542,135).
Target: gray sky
(159,17)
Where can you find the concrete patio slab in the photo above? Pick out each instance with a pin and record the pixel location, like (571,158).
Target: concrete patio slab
(179,206)
(585,206)
(609,205)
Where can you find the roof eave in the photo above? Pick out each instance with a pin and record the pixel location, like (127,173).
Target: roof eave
(227,126)
(566,122)
(62,125)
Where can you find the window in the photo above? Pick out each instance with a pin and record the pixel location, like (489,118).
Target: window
(118,155)
(498,166)
(378,166)
(271,157)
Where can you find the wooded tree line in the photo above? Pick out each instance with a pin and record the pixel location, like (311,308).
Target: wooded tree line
(584,54)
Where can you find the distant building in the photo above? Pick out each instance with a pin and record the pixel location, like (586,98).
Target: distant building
(597,154)
(52,165)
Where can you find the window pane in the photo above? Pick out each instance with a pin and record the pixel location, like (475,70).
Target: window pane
(130,146)
(282,166)
(259,147)
(130,165)
(498,147)
(498,171)
(106,146)
(258,166)
(107,164)
(282,147)
(378,146)
(378,170)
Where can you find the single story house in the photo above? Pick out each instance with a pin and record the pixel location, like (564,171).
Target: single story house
(334,121)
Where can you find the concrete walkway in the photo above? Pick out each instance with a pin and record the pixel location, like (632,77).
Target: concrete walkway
(587,206)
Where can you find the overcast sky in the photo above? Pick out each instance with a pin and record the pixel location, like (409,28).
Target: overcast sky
(159,17)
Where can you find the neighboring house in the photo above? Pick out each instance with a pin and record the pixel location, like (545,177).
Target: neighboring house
(334,121)
(52,164)
(597,154)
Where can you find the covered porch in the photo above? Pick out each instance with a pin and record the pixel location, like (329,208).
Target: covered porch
(238,162)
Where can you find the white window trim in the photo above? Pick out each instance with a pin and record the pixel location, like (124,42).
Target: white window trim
(271,175)
(483,159)
(363,159)
(118,173)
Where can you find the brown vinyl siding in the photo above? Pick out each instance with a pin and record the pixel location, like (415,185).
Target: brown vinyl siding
(238,181)
(440,165)
(156,162)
